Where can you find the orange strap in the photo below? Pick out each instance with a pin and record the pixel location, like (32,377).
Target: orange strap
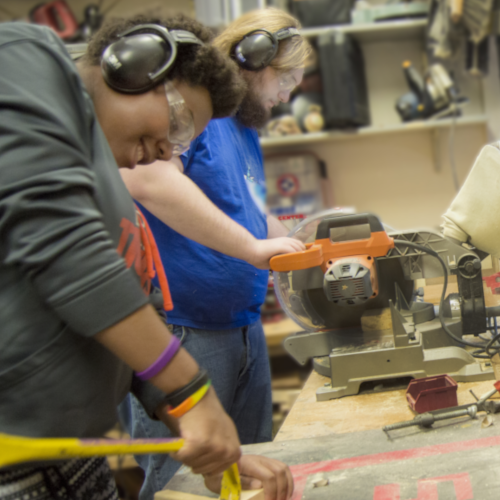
(153,256)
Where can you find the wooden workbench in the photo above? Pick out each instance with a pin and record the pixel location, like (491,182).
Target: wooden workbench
(309,418)
(457,459)
(340,445)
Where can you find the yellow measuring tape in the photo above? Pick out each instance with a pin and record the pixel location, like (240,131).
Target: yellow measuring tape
(231,484)
(15,450)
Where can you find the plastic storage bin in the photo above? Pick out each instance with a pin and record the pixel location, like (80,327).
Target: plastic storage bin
(431,393)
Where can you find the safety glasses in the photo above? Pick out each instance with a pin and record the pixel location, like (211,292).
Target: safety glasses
(181,130)
(287,82)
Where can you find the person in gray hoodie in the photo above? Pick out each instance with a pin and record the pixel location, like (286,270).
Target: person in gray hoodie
(78,324)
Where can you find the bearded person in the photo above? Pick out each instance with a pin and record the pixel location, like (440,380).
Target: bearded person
(206,209)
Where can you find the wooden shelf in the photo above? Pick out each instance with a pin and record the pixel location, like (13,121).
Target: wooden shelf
(337,135)
(374,32)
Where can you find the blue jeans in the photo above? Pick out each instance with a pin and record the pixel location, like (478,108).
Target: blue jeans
(238,364)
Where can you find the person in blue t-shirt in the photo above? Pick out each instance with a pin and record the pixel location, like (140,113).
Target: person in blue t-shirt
(207,212)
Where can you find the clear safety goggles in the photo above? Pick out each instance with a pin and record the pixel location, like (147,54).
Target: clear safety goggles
(287,82)
(181,130)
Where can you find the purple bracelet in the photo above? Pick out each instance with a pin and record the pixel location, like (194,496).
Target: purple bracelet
(164,359)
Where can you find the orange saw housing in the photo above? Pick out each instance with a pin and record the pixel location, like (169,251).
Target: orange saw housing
(324,250)
(349,268)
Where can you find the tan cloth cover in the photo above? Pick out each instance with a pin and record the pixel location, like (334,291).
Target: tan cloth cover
(474,214)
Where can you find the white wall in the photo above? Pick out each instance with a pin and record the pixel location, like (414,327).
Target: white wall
(394,175)
(491,88)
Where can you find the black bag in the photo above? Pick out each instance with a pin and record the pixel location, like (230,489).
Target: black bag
(345,94)
(322,12)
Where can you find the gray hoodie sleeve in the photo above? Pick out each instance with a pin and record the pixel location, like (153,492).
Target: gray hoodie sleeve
(51,228)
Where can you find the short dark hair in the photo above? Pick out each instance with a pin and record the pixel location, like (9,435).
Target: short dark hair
(197,65)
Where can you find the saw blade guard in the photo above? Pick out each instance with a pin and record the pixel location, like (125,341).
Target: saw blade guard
(305,231)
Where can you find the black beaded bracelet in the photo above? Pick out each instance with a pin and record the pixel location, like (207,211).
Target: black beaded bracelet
(177,397)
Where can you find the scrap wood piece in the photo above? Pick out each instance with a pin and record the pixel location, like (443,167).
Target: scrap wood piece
(376,320)
(180,495)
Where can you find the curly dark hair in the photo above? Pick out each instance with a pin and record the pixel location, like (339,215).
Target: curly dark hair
(197,65)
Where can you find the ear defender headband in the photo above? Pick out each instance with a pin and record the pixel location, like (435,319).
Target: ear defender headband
(142,57)
(259,47)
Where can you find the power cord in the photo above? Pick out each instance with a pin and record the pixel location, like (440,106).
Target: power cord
(451,149)
(453,95)
(484,350)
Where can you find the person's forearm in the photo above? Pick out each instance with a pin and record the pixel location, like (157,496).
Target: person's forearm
(275,228)
(183,206)
(139,340)
(171,422)
(211,441)
(176,200)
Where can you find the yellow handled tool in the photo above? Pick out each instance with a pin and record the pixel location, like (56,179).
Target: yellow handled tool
(231,484)
(16,449)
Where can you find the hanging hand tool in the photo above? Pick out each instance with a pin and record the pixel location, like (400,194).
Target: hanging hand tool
(16,449)
(58,16)
(432,95)
(457,9)
(93,18)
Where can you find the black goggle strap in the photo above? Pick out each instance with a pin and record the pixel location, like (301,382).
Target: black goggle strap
(180,36)
(286,33)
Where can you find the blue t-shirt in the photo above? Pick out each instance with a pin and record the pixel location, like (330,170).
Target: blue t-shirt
(209,289)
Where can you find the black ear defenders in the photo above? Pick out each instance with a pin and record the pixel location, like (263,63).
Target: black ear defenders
(142,57)
(259,47)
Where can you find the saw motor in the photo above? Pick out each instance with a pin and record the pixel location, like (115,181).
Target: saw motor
(351,281)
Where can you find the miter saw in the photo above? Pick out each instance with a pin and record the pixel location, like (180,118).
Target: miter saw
(352,270)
